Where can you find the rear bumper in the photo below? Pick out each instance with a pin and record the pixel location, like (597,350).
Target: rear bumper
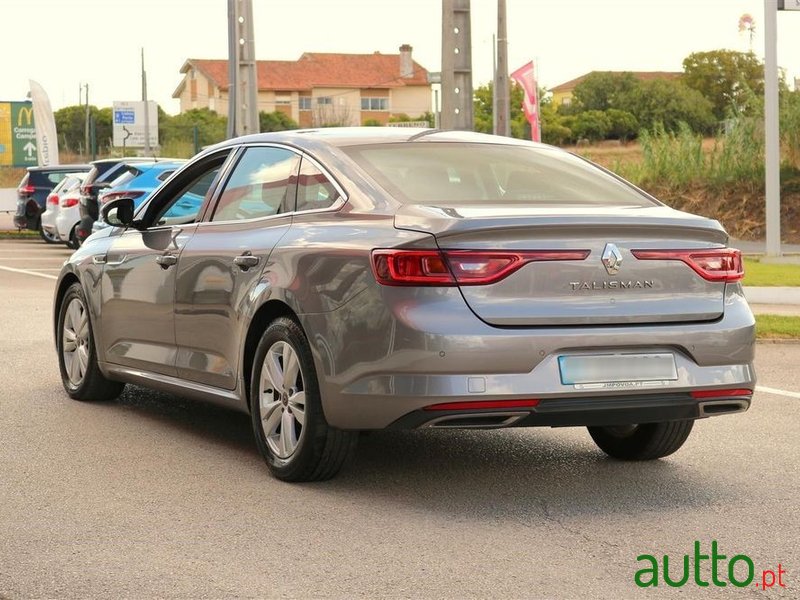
(571,412)
(434,350)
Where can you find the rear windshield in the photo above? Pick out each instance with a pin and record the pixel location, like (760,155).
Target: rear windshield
(469,173)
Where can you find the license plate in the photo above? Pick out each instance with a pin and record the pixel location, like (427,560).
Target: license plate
(598,370)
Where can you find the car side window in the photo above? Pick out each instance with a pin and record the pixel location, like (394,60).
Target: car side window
(314,190)
(185,205)
(261,185)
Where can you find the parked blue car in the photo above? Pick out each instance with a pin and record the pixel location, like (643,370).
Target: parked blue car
(137,182)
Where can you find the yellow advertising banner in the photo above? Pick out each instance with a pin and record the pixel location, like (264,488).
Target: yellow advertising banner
(6,146)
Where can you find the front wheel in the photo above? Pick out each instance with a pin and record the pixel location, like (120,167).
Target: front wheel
(77,357)
(73,243)
(641,442)
(289,425)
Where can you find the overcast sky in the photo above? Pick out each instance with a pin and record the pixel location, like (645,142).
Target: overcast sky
(63,44)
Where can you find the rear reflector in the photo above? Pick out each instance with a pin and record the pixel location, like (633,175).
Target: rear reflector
(720,393)
(457,267)
(720,264)
(483,404)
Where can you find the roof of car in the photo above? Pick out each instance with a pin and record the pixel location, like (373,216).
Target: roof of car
(351,136)
(59,168)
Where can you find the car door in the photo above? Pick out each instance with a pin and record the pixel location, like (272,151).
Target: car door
(223,262)
(139,273)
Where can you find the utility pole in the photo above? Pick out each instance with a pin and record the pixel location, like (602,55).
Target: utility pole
(457,109)
(501,100)
(86,122)
(242,71)
(147,150)
(771,129)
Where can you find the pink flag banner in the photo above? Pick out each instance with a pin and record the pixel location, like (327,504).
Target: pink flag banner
(526,77)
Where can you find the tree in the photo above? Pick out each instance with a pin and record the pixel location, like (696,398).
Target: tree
(211,127)
(592,125)
(668,102)
(600,90)
(484,109)
(275,121)
(71,127)
(624,126)
(725,78)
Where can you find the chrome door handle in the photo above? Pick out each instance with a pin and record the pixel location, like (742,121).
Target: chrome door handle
(246,261)
(167,260)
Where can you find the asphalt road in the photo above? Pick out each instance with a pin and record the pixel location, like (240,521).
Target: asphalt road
(152,496)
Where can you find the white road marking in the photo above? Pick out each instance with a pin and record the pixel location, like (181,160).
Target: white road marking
(24,272)
(769,390)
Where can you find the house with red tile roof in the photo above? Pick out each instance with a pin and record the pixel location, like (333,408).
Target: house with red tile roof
(562,93)
(318,88)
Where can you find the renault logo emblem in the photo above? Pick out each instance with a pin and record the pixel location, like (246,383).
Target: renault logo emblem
(612,258)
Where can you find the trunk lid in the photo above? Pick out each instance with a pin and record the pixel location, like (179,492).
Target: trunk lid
(610,286)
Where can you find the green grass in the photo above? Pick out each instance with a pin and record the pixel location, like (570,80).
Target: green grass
(768,274)
(777,327)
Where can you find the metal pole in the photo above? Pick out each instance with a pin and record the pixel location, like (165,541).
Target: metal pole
(147,150)
(501,93)
(457,109)
(771,129)
(494,84)
(233,62)
(86,124)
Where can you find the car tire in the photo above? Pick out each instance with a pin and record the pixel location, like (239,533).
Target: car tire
(642,442)
(77,356)
(50,238)
(73,243)
(289,425)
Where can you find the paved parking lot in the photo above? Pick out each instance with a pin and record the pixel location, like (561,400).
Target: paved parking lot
(153,496)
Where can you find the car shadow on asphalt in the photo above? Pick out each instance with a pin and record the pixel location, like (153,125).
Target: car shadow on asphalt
(511,473)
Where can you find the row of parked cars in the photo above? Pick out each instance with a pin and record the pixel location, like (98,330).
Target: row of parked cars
(63,202)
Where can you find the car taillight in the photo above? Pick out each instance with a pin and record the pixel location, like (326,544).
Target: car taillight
(719,264)
(52,199)
(68,202)
(457,267)
(114,195)
(27,189)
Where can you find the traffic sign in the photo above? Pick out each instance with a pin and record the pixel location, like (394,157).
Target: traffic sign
(17,135)
(128,124)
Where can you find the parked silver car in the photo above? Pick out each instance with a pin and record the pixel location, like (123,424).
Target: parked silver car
(341,280)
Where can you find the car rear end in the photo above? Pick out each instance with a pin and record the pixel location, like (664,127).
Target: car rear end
(524,286)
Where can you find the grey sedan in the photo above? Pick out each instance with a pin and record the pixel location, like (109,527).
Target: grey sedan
(334,281)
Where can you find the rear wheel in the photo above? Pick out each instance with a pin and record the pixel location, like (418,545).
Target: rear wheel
(289,425)
(642,442)
(77,358)
(73,243)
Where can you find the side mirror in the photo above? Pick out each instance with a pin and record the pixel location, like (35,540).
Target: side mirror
(118,212)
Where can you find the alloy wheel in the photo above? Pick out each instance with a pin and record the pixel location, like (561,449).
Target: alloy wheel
(75,341)
(282,400)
